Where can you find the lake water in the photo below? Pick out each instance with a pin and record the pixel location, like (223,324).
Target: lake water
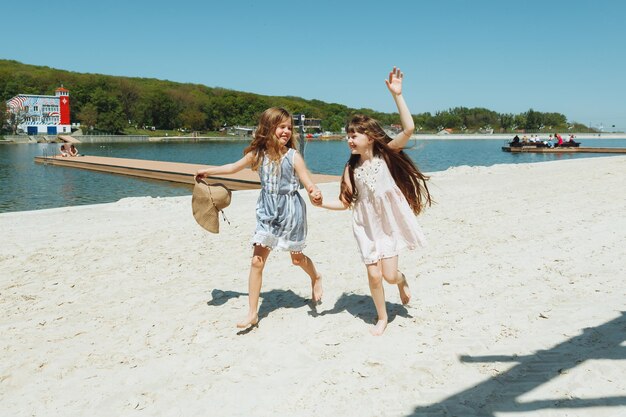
(25,185)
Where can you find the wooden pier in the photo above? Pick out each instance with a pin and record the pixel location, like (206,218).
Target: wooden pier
(561,149)
(164,171)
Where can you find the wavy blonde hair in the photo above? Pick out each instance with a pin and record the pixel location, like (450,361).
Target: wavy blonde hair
(406,175)
(265,141)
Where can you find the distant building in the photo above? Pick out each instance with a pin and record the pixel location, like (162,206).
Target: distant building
(43,115)
(315,124)
(241,130)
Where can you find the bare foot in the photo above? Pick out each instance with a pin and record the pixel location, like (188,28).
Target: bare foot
(316,289)
(405,291)
(379,328)
(251,320)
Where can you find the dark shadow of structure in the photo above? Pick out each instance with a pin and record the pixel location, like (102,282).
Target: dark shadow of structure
(500,394)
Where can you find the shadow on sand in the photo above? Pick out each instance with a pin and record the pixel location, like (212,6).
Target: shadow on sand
(500,394)
(270,301)
(362,307)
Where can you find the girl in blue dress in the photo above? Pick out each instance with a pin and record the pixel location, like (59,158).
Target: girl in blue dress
(280,210)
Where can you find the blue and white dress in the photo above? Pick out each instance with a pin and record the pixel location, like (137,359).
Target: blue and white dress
(280,210)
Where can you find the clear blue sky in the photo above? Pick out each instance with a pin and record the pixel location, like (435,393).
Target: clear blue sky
(550,55)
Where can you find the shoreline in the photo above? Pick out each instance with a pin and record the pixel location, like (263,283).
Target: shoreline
(517,306)
(150,198)
(82,187)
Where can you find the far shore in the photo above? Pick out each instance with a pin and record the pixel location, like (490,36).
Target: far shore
(416,136)
(420,136)
(509,136)
(9,139)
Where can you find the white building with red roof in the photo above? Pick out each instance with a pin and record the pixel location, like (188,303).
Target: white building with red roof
(42,114)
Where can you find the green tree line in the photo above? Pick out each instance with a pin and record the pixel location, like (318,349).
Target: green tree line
(117,104)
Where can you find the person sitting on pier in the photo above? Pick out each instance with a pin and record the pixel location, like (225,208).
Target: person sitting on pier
(73,150)
(572,142)
(63,150)
(559,140)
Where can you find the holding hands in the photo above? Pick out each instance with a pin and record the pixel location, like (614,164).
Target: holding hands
(315,195)
(394,83)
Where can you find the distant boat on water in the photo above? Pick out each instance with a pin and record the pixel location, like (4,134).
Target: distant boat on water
(567,147)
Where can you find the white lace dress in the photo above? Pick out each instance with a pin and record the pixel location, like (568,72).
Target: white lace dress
(383,222)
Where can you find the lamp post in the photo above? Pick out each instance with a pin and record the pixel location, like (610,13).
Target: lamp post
(301,131)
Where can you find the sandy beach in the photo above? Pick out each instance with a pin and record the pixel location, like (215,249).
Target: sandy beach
(518,308)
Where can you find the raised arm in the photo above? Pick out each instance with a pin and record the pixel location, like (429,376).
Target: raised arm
(231,168)
(394,84)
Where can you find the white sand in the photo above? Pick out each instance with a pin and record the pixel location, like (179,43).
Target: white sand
(128,309)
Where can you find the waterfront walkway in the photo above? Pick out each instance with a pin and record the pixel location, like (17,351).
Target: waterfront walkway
(165,171)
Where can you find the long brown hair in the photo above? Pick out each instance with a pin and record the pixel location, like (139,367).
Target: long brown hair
(265,141)
(406,175)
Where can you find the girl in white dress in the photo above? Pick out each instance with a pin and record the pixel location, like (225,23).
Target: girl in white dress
(385,191)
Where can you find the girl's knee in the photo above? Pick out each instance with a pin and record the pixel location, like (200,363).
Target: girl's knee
(390,277)
(257,262)
(297,258)
(375,278)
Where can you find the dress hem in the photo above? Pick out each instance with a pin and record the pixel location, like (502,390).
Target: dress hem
(369,261)
(274,243)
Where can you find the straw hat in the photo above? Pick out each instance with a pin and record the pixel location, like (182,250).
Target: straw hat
(206,203)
